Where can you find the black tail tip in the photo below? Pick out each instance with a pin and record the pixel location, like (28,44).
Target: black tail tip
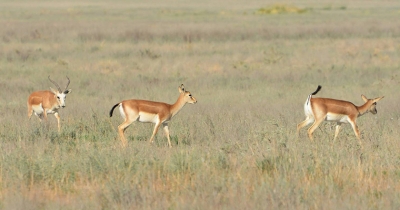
(316,91)
(112,109)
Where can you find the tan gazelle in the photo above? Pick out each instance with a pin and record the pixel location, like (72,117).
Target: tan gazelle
(158,113)
(48,102)
(318,110)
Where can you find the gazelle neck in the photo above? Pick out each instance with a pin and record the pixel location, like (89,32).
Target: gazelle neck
(178,105)
(363,109)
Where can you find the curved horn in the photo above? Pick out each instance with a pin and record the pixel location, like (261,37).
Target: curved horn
(59,89)
(67,84)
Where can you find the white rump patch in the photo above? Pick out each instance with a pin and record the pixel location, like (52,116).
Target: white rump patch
(121,111)
(307,109)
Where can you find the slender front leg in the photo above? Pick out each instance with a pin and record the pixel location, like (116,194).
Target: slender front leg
(166,131)
(58,121)
(356,131)
(44,114)
(154,132)
(338,125)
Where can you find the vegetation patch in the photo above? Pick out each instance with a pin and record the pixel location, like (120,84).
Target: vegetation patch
(280,9)
(237,148)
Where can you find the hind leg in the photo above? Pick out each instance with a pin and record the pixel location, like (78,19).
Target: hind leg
(39,111)
(129,119)
(121,130)
(307,121)
(40,116)
(30,111)
(314,126)
(130,115)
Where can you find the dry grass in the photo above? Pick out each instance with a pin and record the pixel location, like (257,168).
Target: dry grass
(236,148)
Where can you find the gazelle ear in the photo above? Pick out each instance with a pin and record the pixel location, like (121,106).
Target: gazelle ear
(378,99)
(365,99)
(54,91)
(67,91)
(181,88)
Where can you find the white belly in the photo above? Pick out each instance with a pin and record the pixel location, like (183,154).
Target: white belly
(38,109)
(50,111)
(146,117)
(337,118)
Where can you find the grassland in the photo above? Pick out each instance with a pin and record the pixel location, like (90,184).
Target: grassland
(236,148)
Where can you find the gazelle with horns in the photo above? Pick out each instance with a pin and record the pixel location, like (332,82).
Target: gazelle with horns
(48,102)
(318,110)
(158,113)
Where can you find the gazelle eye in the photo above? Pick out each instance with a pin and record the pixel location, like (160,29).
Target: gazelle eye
(190,95)
(58,97)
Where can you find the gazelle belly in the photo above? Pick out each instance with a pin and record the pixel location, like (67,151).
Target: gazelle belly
(50,111)
(38,109)
(148,117)
(337,118)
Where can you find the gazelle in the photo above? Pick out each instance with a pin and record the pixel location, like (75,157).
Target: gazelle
(48,102)
(318,110)
(151,111)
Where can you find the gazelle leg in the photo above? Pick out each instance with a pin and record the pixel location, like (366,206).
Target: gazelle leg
(40,116)
(314,126)
(307,121)
(356,131)
(46,122)
(154,132)
(44,114)
(58,121)
(39,111)
(338,125)
(166,131)
(121,130)
(29,111)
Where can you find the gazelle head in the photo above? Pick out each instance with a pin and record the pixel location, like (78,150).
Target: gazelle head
(188,98)
(372,107)
(59,94)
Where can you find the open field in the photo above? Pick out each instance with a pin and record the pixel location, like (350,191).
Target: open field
(236,148)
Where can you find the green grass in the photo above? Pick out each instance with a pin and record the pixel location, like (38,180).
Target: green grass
(237,147)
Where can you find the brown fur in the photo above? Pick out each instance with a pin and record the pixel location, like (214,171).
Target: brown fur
(45,97)
(336,110)
(142,110)
(46,100)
